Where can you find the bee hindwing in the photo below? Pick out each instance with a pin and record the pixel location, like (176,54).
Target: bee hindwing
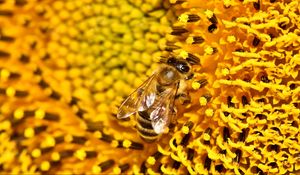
(162,114)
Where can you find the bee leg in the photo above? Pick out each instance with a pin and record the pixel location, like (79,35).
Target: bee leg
(173,112)
(183,98)
(173,121)
(182,94)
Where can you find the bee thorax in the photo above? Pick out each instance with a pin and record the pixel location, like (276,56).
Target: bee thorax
(168,76)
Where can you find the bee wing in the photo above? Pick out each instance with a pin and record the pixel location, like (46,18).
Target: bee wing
(131,104)
(162,114)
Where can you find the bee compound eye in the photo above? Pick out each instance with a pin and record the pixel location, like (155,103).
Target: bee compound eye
(184,68)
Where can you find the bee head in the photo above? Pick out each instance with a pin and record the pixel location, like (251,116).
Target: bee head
(181,66)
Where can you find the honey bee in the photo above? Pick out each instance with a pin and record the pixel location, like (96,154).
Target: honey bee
(154,100)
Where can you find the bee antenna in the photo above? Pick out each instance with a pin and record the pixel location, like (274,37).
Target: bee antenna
(189,76)
(162,60)
(192,59)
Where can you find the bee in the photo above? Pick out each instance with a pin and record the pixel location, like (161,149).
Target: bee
(154,100)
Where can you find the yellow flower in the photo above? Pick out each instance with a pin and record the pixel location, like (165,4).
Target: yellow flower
(65,66)
(246,52)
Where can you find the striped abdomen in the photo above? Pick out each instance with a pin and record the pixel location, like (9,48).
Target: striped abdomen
(144,127)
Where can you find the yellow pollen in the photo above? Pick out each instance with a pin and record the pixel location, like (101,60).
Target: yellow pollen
(203,101)
(96,169)
(227,3)
(97,134)
(40,114)
(48,142)
(185,130)
(231,39)
(183,54)
(68,138)
(45,166)
(206,137)
(209,112)
(183,18)
(209,13)
(10,92)
(36,153)
(225,71)
(189,40)
(126,143)
(114,143)
(18,114)
(80,154)
(116,170)
(4,74)
(195,85)
(209,50)
(5,125)
(151,160)
(29,132)
(55,156)
(166,130)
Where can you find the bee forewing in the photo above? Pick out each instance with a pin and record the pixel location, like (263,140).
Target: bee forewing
(147,101)
(127,108)
(162,114)
(132,103)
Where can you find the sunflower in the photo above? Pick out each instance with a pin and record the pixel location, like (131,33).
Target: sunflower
(65,67)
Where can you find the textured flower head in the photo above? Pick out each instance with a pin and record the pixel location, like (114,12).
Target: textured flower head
(65,67)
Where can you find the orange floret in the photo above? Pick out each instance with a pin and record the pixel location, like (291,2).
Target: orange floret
(247,52)
(66,65)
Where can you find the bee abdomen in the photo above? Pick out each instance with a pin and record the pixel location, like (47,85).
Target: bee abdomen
(143,120)
(147,134)
(145,131)
(148,139)
(145,128)
(144,115)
